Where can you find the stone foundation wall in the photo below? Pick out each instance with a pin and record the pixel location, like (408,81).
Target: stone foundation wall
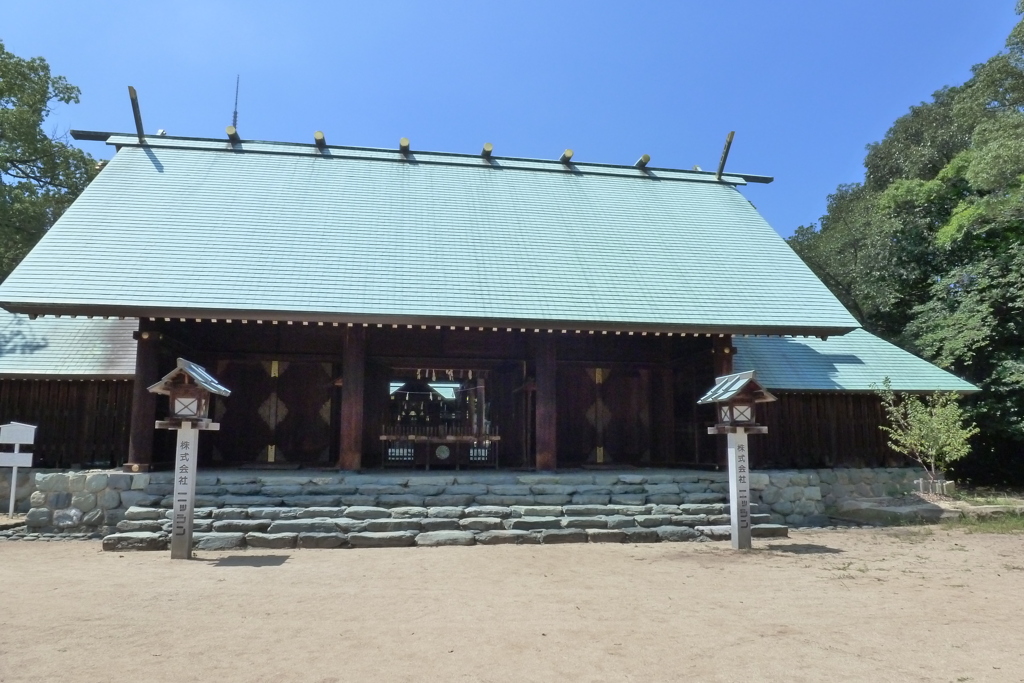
(97,501)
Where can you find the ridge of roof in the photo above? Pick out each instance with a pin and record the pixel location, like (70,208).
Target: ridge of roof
(495,162)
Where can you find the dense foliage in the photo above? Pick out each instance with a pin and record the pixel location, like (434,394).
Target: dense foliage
(40,174)
(928,251)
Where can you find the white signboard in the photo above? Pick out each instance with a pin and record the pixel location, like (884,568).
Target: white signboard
(739,488)
(185,467)
(19,435)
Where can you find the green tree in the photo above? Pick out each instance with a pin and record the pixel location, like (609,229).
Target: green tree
(928,251)
(40,174)
(929,430)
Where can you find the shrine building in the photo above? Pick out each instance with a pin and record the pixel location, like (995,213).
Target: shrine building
(374,308)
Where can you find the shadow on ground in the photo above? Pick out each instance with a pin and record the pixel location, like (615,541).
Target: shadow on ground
(805,549)
(250,561)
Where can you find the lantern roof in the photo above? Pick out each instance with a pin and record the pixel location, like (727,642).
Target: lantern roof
(738,385)
(197,373)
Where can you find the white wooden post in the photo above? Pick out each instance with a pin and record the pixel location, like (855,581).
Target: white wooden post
(185,468)
(739,488)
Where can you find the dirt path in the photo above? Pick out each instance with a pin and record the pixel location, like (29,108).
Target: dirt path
(866,605)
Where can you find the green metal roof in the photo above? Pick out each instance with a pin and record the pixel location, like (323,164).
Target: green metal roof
(850,363)
(65,348)
(205,228)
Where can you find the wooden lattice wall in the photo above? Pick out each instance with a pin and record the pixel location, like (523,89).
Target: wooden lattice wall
(81,422)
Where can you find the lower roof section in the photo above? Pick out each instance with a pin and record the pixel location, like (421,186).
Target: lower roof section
(66,348)
(854,362)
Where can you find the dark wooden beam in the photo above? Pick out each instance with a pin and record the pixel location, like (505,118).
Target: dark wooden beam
(137,113)
(147,373)
(353,376)
(723,352)
(666,408)
(546,419)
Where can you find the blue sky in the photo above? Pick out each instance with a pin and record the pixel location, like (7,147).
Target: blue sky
(805,84)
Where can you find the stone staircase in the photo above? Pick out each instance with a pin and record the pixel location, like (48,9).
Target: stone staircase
(367,526)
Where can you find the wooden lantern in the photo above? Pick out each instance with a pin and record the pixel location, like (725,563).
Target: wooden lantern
(188,389)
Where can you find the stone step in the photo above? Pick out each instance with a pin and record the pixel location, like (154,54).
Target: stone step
(383,537)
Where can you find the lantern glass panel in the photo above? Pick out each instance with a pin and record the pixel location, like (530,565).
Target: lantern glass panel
(743,413)
(186,406)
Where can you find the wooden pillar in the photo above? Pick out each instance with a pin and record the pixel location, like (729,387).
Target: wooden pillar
(667,413)
(723,352)
(546,420)
(147,373)
(353,374)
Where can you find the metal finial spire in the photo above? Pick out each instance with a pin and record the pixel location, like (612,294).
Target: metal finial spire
(234,116)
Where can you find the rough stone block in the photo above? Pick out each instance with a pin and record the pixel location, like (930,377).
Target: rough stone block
(510,536)
(552,499)
(584,523)
(67,518)
(366,512)
(629,499)
(242,489)
(801,479)
(633,510)
(138,499)
(364,501)
(218,541)
(677,533)
(381,489)
(329,490)
(58,499)
(694,487)
(415,488)
(316,539)
(409,512)
(641,535)
(716,533)
(274,513)
(481,524)
(137,540)
(431,480)
(591,499)
(36,500)
(488,511)
(620,521)
(404,500)
(606,535)
(661,478)
(552,489)
(758,480)
(811,520)
(38,517)
(536,511)
(783,507)
(586,489)
(298,526)
(393,525)
(665,498)
(760,518)
(715,520)
(151,525)
(632,479)
(531,479)
(159,489)
(231,513)
(618,489)
(530,523)
(794,520)
(491,499)
(653,520)
(589,510)
(661,488)
(701,509)
(440,524)
(135,513)
(449,500)
(563,536)
(311,501)
(693,498)
(197,525)
(315,512)
(510,490)
(251,501)
(384,539)
(122,481)
(53,481)
(792,493)
(663,509)
(442,538)
(769,531)
(243,525)
(256,539)
(445,512)
(370,479)
(95,482)
(348,526)
(93,517)
(235,478)
(466,489)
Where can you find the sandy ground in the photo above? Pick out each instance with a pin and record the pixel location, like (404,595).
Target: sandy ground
(860,605)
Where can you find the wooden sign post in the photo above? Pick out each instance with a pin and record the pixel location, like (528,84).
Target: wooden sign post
(735,397)
(188,388)
(16,434)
